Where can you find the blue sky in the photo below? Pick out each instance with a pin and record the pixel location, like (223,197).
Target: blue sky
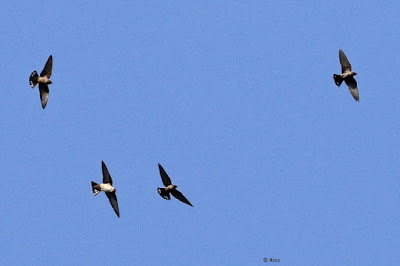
(234,98)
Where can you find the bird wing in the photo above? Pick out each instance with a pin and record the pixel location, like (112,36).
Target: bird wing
(165,178)
(112,197)
(346,66)
(46,72)
(177,194)
(44,94)
(106,174)
(352,84)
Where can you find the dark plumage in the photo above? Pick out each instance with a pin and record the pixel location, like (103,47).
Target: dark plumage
(107,187)
(170,188)
(347,76)
(43,80)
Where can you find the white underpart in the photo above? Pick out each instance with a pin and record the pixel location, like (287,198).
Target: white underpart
(43,80)
(170,187)
(107,188)
(347,74)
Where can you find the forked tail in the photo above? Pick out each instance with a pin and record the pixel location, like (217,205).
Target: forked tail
(33,79)
(95,188)
(164,194)
(338,79)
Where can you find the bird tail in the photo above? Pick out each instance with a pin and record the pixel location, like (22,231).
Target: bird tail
(33,79)
(338,79)
(95,188)
(164,194)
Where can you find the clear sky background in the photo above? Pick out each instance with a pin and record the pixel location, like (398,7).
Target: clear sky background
(234,98)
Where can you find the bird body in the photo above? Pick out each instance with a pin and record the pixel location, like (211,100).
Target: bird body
(169,188)
(43,80)
(347,76)
(102,187)
(107,187)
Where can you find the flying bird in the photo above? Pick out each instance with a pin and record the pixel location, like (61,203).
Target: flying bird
(347,75)
(107,187)
(43,80)
(170,188)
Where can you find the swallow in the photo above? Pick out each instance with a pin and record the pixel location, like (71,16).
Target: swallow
(170,188)
(43,80)
(347,76)
(107,187)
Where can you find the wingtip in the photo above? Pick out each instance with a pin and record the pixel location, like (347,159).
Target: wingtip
(188,203)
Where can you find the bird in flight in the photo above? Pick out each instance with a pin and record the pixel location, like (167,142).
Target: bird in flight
(43,80)
(170,188)
(107,187)
(347,75)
